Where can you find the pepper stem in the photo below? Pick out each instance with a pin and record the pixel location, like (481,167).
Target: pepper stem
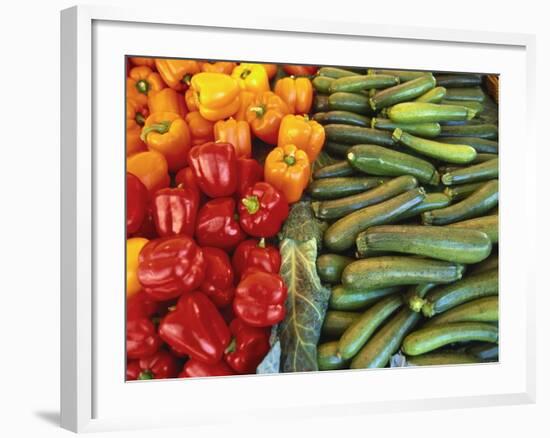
(232,346)
(252,204)
(142,86)
(259,110)
(161,128)
(140,119)
(186,79)
(245,73)
(145,375)
(290,160)
(261,243)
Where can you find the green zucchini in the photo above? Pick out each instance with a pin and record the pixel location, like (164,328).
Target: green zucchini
(454,80)
(330,267)
(477,204)
(378,350)
(359,332)
(461,191)
(341,235)
(376,160)
(450,153)
(430,338)
(450,244)
(479,144)
(335,73)
(474,94)
(322,84)
(477,172)
(381,272)
(481,310)
(484,351)
(340,187)
(341,168)
(320,103)
(414,297)
(489,263)
(342,117)
(357,135)
(477,107)
(355,84)
(441,358)
(337,321)
(485,224)
(435,95)
(487,131)
(423,112)
(469,288)
(337,208)
(342,298)
(403,75)
(432,201)
(328,358)
(482,158)
(402,92)
(355,103)
(336,149)
(430,130)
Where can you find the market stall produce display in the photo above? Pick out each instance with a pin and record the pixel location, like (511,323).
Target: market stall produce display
(289,218)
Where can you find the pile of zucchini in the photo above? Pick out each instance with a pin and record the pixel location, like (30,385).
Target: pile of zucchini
(411,199)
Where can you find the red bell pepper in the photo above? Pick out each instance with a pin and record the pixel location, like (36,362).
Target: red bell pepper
(215,168)
(196,327)
(147,228)
(136,203)
(141,338)
(186,178)
(195,368)
(175,211)
(140,305)
(255,254)
(170,266)
(217,225)
(249,172)
(300,70)
(260,298)
(247,348)
(161,365)
(218,281)
(262,210)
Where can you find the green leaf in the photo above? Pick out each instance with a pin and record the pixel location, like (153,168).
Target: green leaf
(302,225)
(305,306)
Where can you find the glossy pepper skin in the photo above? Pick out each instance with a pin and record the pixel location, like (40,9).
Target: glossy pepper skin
(247,348)
(217,95)
(151,168)
(306,134)
(218,67)
(141,338)
(215,168)
(202,130)
(167,100)
(195,368)
(134,245)
(251,77)
(270,69)
(249,172)
(140,305)
(260,298)
(196,328)
(161,365)
(142,60)
(191,100)
(265,114)
(300,70)
(252,253)
(262,210)
(136,203)
(175,211)
(296,92)
(186,178)
(236,133)
(287,169)
(218,281)
(246,98)
(168,134)
(170,266)
(140,82)
(135,119)
(177,73)
(217,225)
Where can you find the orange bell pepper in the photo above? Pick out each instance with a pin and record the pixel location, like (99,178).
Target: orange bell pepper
(296,92)
(134,121)
(217,95)
(251,77)
(143,60)
(151,169)
(202,130)
(191,100)
(218,67)
(270,69)
(247,97)
(235,132)
(287,169)
(265,114)
(177,73)
(300,70)
(306,134)
(167,100)
(133,248)
(168,134)
(140,82)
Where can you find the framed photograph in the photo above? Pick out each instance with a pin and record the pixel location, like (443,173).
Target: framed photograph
(241,224)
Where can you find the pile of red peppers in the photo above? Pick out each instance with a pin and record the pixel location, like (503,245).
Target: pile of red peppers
(208,285)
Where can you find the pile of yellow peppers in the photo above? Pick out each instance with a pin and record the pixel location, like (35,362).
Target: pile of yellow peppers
(173,105)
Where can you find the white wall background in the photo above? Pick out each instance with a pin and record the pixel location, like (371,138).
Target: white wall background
(29,214)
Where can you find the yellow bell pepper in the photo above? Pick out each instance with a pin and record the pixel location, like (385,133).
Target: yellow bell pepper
(306,134)
(251,77)
(217,95)
(133,248)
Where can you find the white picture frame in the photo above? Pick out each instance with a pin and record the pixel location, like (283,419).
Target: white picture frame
(94,396)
